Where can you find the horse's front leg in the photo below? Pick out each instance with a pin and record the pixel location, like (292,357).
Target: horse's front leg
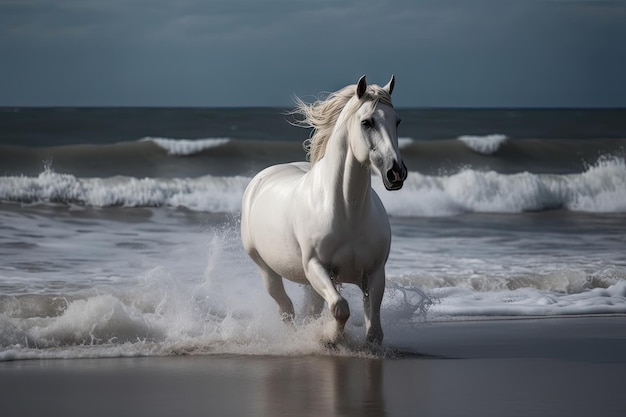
(320,280)
(373,290)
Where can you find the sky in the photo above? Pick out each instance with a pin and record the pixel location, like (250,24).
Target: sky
(223,53)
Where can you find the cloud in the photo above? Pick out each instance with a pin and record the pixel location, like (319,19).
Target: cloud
(238,52)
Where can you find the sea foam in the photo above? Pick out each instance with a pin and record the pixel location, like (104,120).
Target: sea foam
(601,188)
(220,314)
(192,291)
(459,302)
(208,193)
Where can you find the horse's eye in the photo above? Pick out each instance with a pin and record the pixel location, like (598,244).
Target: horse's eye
(367,123)
(398,122)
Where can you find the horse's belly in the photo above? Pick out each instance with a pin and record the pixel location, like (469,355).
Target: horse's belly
(288,269)
(266,228)
(282,254)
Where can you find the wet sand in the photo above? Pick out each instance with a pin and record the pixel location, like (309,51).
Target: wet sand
(541,367)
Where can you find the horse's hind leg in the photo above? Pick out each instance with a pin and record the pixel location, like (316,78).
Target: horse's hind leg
(276,289)
(314,303)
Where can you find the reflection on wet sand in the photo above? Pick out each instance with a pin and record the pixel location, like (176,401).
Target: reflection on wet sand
(323,386)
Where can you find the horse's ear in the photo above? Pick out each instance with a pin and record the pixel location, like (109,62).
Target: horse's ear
(389,87)
(361,87)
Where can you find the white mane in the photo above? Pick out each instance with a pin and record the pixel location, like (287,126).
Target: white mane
(322,115)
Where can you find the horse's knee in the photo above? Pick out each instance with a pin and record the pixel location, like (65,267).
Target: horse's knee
(340,310)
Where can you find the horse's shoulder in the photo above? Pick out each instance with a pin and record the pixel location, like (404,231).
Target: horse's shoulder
(281,176)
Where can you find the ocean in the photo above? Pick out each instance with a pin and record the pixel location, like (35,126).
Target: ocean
(120,227)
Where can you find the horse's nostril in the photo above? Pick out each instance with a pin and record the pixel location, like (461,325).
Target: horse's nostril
(396,173)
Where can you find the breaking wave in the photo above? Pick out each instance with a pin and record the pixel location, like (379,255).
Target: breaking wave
(485,145)
(601,188)
(213,194)
(186,147)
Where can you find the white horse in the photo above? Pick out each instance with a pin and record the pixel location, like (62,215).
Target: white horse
(321,223)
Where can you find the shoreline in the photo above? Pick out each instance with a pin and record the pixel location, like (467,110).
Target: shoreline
(551,367)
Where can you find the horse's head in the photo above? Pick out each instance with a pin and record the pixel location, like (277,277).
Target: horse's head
(374,134)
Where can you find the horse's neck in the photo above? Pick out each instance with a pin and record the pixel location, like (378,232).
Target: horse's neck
(347,181)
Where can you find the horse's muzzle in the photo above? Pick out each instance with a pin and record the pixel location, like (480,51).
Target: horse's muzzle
(395,176)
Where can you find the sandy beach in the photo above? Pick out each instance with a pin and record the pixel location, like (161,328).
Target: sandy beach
(522,367)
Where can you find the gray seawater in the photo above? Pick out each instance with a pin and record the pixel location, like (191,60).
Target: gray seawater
(130,246)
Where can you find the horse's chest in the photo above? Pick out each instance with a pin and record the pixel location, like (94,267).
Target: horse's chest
(352,255)
(350,264)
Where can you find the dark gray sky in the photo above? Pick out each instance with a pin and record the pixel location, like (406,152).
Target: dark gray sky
(262,52)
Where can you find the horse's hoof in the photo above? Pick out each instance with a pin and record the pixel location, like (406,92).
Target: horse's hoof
(288,319)
(374,336)
(341,311)
(374,340)
(373,348)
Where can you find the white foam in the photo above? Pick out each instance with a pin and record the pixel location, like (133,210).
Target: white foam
(224,309)
(208,193)
(193,291)
(95,320)
(185,147)
(602,189)
(458,302)
(486,145)
(217,314)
